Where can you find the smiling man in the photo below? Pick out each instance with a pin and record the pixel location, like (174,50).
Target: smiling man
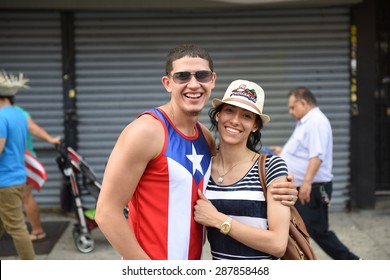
(156,157)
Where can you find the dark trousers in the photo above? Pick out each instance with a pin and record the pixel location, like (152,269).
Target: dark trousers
(315,216)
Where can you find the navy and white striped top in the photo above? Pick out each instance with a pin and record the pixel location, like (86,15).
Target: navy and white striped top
(243,201)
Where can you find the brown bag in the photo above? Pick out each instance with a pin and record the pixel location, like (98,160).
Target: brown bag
(298,245)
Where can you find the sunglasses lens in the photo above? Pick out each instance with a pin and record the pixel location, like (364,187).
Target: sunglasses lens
(203,76)
(185,77)
(182,77)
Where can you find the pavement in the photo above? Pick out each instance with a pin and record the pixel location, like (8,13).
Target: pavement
(364,232)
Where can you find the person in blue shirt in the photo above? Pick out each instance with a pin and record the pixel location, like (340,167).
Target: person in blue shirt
(13,176)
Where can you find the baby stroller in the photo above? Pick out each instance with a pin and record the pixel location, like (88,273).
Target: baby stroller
(82,181)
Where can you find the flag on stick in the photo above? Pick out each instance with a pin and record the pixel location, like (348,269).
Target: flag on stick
(36,172)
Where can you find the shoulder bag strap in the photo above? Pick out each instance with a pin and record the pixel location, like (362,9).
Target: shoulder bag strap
(263,183)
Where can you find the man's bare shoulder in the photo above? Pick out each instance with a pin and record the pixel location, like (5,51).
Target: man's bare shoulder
(144,135)
(146,124)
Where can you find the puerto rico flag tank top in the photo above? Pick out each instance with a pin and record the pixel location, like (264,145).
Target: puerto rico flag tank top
(161,211)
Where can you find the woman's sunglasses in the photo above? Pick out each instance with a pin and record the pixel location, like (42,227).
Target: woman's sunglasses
(185,77)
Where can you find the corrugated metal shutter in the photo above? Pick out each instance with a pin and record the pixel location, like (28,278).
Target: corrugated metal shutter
(120,61)
(31,43)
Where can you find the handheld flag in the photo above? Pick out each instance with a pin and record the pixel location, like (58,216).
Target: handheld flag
(36,172)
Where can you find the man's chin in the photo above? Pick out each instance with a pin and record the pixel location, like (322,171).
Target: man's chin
(194,113)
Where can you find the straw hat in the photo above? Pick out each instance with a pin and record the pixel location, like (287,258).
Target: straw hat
(245,94)
(9,84)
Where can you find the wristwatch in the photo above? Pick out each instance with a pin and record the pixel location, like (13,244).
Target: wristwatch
(226,226)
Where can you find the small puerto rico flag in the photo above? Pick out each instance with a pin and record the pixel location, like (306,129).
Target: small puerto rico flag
(36,172)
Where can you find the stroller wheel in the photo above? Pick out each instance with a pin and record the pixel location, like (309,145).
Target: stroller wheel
(84,242)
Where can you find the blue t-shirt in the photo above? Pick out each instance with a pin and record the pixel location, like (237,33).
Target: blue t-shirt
(14,128)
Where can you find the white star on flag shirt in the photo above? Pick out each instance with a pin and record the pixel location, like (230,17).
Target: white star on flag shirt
(196,160)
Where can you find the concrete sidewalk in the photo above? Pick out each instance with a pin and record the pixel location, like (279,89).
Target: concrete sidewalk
(364,232)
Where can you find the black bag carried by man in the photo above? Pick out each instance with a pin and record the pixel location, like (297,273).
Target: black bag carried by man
(298,245)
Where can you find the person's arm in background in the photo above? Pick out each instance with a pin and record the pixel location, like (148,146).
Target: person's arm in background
(39,132)
(305,190)
(276,150)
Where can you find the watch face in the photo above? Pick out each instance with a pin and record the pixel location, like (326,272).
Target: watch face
(225,228)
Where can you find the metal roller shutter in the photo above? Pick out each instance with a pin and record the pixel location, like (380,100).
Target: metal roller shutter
(120,61)
(31,43)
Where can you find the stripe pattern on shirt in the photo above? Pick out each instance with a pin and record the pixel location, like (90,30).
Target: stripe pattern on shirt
(243,201)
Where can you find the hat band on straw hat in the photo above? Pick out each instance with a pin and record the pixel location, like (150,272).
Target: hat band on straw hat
(243,101)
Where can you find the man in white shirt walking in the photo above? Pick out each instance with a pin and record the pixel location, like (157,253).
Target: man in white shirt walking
(309,154)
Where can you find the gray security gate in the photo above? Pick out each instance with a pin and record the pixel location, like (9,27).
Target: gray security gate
(120,61)
(31,43)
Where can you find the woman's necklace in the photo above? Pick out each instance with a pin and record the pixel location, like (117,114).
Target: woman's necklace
(220,178)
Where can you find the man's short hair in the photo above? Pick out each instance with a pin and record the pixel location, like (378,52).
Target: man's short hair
(186,50)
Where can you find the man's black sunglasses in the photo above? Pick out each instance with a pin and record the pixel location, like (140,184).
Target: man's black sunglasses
(185,77)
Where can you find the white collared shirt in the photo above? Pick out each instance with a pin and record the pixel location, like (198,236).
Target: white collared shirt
(312,137)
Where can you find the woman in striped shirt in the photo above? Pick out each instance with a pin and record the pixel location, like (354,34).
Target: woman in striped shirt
(241,225)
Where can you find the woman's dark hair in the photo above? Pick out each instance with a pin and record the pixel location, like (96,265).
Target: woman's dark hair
(254,137)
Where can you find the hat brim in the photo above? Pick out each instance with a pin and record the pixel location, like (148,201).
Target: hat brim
(216,102)
(8,92)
